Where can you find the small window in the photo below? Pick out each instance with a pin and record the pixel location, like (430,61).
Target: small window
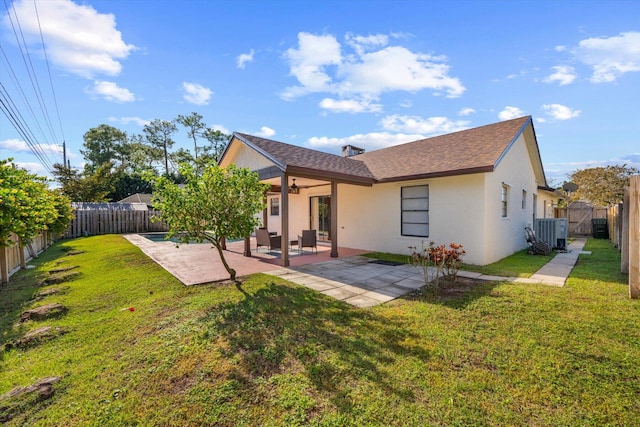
(505,200)
(415,211)
(524,199)
(275,206)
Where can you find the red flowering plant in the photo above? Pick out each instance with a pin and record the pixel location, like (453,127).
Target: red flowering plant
(445,261)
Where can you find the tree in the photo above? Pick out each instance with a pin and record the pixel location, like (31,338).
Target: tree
(602,186)
(217,143)
(195,128)
(87,186)
(221,203)
(104,144)
(28,206)
(158,134)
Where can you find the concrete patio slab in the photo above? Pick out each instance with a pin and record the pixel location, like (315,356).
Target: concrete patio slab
(353,278)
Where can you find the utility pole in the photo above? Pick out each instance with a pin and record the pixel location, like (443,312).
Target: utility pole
(64,153)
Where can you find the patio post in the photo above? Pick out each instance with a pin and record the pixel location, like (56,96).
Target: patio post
(247,246)
(334,219)
(284,217)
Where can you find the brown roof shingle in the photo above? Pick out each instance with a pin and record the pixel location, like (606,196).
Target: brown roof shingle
(294,157)
(468,151)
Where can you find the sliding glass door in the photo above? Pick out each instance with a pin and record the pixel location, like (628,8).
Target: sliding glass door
(320,208)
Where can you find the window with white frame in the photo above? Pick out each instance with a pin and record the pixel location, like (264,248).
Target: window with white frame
(505,200)
(524,199)
(275,206)
(415,211)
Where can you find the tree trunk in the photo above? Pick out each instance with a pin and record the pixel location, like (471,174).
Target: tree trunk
(231,271)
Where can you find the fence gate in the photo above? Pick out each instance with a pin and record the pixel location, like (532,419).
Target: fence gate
(579,218)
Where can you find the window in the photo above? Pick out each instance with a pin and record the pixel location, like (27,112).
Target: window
(415,211)
(524,199)
(275,206)
(505,200)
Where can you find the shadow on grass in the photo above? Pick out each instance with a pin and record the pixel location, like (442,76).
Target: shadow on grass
(18,295)
(280,327)
(457,295)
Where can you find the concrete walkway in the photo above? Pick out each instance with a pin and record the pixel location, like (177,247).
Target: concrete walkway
(354,279)
(361,282)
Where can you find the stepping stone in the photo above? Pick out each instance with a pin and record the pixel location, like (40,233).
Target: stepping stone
(17,400)
(35,337)
(62,269)
(51,291)
(61,277)
(43,312)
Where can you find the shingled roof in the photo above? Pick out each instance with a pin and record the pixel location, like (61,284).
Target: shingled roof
(469,151)
(296,159)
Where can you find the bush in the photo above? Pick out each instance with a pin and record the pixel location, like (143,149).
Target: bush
(445,260)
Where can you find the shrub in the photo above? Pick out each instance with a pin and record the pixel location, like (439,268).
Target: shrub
(445,260)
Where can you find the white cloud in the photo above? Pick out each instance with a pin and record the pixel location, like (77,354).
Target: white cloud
(406,103)
(350,105)
(510,112)
(561,170)
(243,58)
(20,146)
(196,94)
(221,129)
(266,132)
(368,141)
(126,120)
(111,91)
(419,125)
(79,39)
(466,111)
(373,68)
(610,57)
(560,112)
(563,74)
(32,167)
(560,48)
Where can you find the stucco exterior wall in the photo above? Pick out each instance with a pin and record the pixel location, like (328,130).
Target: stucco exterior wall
(370,217)
(245,157)
(546,202)
(504,236)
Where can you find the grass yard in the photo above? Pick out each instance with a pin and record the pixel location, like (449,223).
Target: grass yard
(520,264)
(271,353)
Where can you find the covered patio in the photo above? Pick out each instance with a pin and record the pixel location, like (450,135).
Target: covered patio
(296,178)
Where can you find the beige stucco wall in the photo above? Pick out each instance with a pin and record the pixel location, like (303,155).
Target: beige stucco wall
(370,217)
(245,157)
(504,236)
(546,202)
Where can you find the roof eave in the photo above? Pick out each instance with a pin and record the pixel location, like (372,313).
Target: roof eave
(439,174)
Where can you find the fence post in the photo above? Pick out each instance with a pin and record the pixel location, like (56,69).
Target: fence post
(624,241)
(4,265)
(634,237)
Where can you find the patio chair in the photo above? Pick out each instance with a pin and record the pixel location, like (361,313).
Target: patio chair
(536,247)
(308,239)
(264,238)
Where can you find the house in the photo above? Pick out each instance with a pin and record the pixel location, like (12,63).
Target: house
(139,198)
(478,187)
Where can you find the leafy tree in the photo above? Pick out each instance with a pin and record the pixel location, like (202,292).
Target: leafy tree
(602,186)
(27,206)
(87,186)
(217,143)
(195,128)
(220,203)
(104,144)
(158,134)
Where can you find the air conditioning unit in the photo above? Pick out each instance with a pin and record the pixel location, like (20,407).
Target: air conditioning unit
(553,231)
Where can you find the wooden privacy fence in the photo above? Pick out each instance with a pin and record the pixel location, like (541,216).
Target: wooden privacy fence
(15,257)
(579,216)
(93,222)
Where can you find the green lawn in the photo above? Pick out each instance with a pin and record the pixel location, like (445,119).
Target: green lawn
(520,264)
(275,354)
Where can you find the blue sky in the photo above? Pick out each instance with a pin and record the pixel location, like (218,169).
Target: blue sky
(322,74)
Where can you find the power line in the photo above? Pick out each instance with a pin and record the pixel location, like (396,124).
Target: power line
(55,99)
